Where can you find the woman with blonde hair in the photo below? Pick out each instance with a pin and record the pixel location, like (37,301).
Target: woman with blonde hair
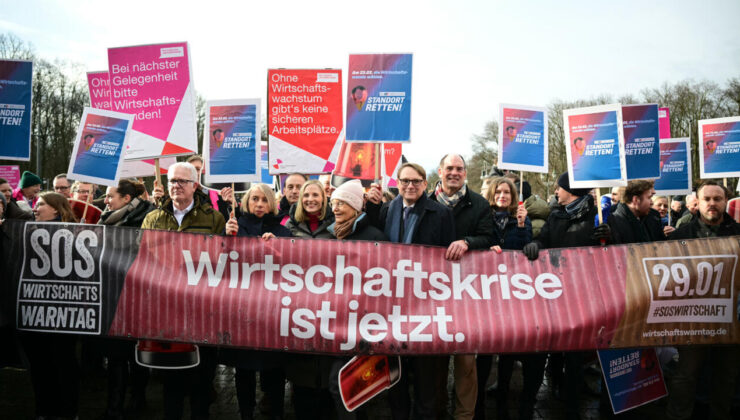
(258,219)
(311,216)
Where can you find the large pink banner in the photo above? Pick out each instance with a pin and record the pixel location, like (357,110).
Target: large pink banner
(153,82)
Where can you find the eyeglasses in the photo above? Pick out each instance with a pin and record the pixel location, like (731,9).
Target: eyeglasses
(83,191)
(61,188)
(180,182)
(406,182)
(337,204)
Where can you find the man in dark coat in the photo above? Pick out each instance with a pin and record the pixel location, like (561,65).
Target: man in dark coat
(711,221)
(412,218)
(291,195)
(474,230)
(570,224)
(634,220)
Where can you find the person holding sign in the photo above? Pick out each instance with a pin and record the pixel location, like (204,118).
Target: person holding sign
(571,224)
(183,211)
(55,373)
(712,221)
(514,231)
(258,219)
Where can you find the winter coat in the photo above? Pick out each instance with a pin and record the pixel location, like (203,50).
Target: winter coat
(698,229)
(513,236)
(202,218)
(13,211)
(435,224)
(537,211)
(301,229)
(626,228)
(686,218)
(473,221)
(284,211)
(362,230)
(563,230)
(251,225)
(133,218)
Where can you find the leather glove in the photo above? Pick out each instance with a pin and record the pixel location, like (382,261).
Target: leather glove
(531,250)
(602,233)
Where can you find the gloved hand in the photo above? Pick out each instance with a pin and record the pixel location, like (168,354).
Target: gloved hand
(531,250)
(602,233)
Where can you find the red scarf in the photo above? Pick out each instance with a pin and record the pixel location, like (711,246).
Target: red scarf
(313,222)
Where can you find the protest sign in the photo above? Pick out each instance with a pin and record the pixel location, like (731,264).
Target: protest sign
(153,82)
(641,135)
(326,296)
(16,83)
(304,120)
(675,167)
(719,148)
(392,161)
(264,165)
(98,84)
(99,146)
(633,377)
(366,376)
(664,122)
(231,141)
(594,144)
(357,161)
(522,137)
(379,98)
(12,174)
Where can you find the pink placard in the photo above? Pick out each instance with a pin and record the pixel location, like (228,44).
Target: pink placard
(98,84)
(153,83)
(664,123)
(12,174)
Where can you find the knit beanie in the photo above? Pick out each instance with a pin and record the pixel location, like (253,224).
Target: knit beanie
(29,179)
(352,193)
(564,183)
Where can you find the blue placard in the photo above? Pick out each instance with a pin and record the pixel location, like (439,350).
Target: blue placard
(641,136)
(231,141)
(16,82)
(633,377)
(379,98)
(675,167)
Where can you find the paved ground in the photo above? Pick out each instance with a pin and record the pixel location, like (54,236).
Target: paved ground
(16,398)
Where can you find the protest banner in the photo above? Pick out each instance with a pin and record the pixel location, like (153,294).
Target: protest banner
(522,137)
(675,167)
(594,144)
(344,297)
(304,120)
(153,82)
(719,148)
(392,161)
(664,122)
(16,83)
(99,146)
(633,377)
(641,135)
(379,98)
(231,141)
(98,85)
(12,174)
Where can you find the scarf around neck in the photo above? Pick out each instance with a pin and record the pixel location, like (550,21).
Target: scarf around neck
(447,200)
(344,229)
(116,216)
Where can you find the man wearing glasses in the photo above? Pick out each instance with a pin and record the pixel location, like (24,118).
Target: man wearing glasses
(185,211)
(413,218)
(62,186)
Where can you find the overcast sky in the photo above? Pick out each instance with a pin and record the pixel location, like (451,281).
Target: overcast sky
(469,56)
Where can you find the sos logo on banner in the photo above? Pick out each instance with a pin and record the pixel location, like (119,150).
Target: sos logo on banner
(61,284)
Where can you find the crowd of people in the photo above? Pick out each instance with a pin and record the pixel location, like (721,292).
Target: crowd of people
(448,215)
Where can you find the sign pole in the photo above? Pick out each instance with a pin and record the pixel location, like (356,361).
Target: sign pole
(598,205)
(521,182)
(377,163)
(87,203)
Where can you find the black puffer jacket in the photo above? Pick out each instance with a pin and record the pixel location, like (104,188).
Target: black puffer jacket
(563,230)
(251,225)
(133,218)
(628,229)
(302,230)
(473,220)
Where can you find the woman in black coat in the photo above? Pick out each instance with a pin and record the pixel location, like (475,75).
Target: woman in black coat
(514,230)
(258,219)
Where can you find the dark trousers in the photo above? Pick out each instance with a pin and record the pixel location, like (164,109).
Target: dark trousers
(195,382)
(55,372)
(122,369)
(533,370)
(425,373)
(725,364)
(312,403)
(272,383)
